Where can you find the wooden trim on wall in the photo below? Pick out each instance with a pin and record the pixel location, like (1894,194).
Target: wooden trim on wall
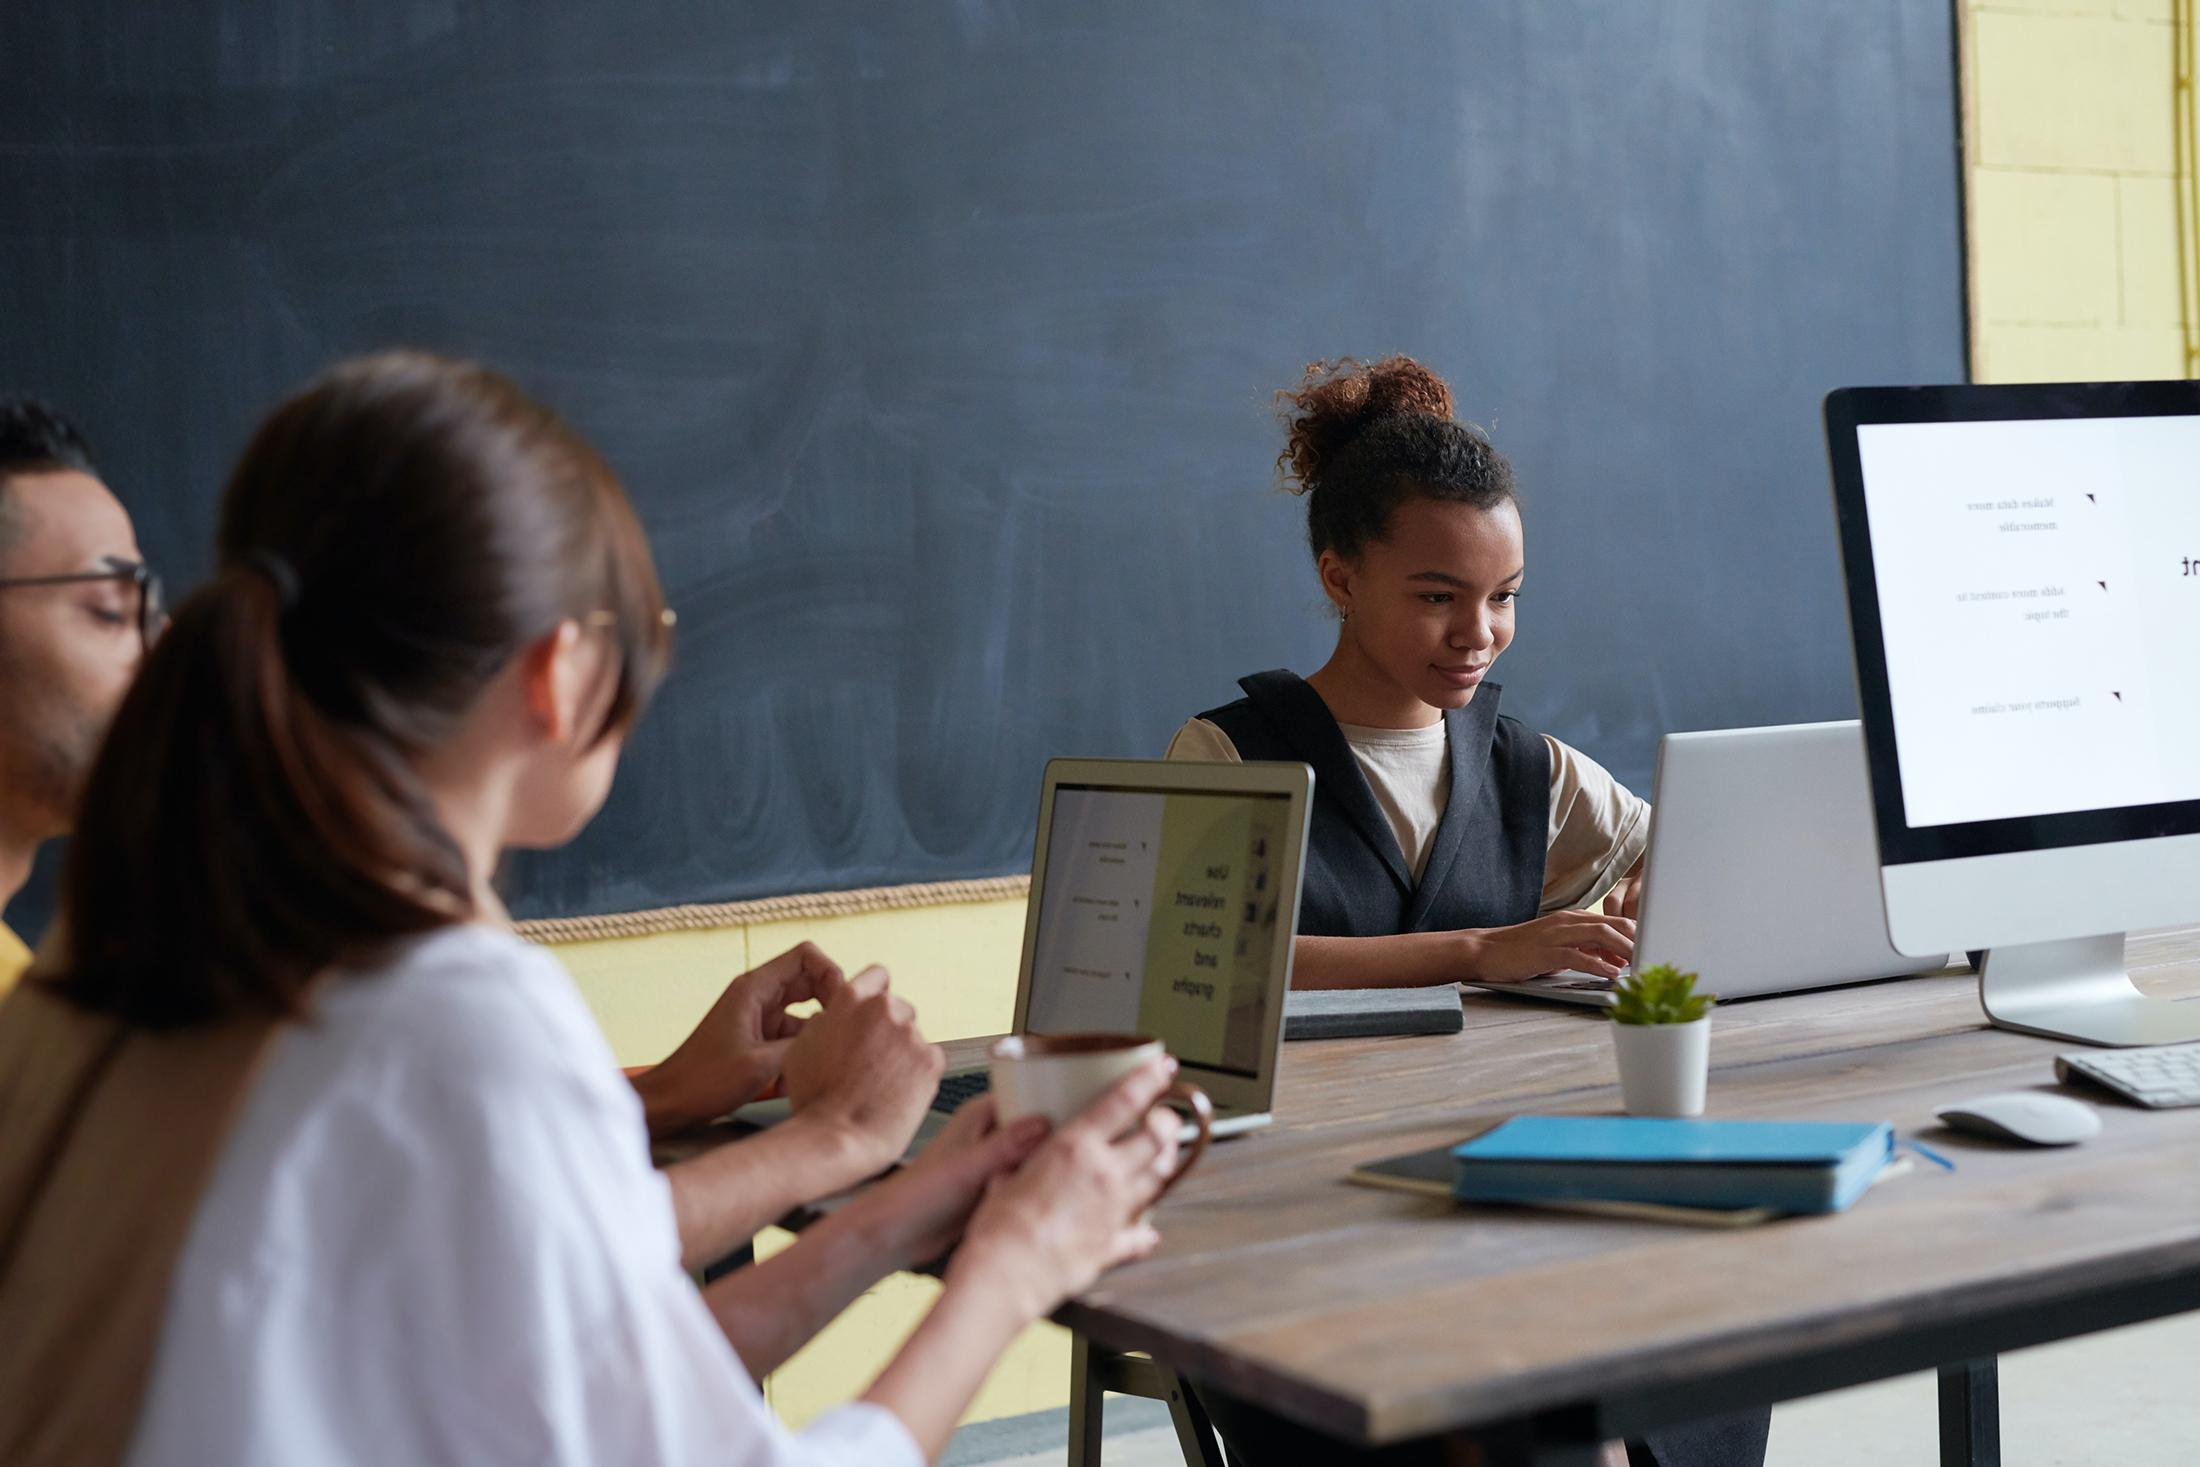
(703,917)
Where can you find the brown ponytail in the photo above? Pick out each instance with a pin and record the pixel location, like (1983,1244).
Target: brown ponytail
(391,537)
(1362,437)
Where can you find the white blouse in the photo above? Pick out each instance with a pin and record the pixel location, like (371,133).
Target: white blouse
(434,1236)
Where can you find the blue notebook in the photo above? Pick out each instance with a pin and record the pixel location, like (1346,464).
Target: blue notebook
(1790,1166)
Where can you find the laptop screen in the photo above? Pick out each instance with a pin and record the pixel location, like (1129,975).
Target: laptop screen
(1159,914)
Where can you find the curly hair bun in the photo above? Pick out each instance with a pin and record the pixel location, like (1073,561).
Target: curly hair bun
(1339,400)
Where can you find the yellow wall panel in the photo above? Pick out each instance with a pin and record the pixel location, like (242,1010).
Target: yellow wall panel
(838,1365)
(2075,251)
(2098,9)
(956,963)
(648,992)
(2080,354)
(2059,91)
(2146,232)
(2065,272)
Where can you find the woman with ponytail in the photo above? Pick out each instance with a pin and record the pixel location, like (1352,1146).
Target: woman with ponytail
(304,1157)
(1448,842)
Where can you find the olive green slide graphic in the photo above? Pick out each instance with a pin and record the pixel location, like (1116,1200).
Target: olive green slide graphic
(1214,928)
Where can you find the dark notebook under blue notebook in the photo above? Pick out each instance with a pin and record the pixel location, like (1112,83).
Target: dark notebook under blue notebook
(1788,1166)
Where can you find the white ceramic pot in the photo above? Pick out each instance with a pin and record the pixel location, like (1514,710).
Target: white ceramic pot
(1662,1067)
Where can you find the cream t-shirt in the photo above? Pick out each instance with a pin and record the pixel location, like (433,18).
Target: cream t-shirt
(1598,826)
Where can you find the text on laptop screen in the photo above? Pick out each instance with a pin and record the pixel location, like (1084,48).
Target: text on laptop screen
(1161,916)
(2039,601)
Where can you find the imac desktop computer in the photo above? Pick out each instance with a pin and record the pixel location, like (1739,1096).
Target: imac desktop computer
(2023,568)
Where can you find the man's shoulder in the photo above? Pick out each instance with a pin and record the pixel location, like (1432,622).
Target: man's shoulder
(15,957)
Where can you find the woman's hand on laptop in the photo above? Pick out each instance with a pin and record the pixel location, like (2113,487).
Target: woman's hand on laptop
(860,1074)
(1592,942)
(735,1054)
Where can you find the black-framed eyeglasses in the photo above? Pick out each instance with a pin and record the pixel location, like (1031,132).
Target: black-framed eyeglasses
(152,606)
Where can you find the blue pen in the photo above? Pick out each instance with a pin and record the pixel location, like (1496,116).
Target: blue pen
(1931,1155)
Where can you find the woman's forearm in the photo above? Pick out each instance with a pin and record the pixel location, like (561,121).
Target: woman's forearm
(727,1195)
(1403,960)
(930,1383)
(770,1309)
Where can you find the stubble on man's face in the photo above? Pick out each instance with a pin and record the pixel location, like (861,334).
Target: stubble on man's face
(47,743)
(65,663)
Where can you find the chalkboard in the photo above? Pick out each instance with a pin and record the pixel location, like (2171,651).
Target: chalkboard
(936,342)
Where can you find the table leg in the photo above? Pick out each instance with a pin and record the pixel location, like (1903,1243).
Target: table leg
(1086,1399)
(1970,1414)
(1195,1433)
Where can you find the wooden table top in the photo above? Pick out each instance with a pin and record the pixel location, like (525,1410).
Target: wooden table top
(1380,1315)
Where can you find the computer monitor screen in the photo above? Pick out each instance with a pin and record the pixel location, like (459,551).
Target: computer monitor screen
(2023,567)
(2041,622)
(1161,912)
(2031,659)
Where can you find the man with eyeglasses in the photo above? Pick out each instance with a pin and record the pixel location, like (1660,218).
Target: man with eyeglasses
(78,607)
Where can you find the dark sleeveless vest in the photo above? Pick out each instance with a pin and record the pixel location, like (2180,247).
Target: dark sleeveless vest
(1485,865)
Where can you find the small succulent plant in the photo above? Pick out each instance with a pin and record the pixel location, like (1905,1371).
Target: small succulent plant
(1660,995)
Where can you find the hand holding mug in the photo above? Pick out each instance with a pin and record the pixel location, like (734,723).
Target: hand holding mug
(1059,1075)
(1078,1204)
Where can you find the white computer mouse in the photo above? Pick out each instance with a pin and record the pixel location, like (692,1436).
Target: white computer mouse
(2025,1115)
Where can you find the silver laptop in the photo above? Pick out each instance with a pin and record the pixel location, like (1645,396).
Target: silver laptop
(1763,869)
(1164,896)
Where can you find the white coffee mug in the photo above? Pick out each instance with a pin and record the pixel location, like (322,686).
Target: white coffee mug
(1058,1075)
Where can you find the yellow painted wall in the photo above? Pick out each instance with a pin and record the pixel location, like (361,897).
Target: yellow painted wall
(2075,270)
(2072,173)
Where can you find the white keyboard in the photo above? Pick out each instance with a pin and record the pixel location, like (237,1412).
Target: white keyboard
(2159,1076)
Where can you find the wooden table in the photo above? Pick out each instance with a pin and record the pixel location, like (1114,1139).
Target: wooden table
(1380,1317)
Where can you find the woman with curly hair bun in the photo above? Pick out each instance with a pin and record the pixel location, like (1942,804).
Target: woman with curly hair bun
(1447,843)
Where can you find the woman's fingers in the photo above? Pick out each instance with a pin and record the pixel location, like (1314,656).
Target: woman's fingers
(1125,1101)
(1006,1148)
(801,972)
(972,1119)
(1612,940)
(1135,1242)
(1164,1161)
(873,979)
(1617,931)
(1149,1152)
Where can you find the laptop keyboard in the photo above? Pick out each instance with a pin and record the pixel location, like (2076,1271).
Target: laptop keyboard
(958,1090)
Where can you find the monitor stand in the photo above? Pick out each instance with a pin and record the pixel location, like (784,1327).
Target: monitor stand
(2079,990)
